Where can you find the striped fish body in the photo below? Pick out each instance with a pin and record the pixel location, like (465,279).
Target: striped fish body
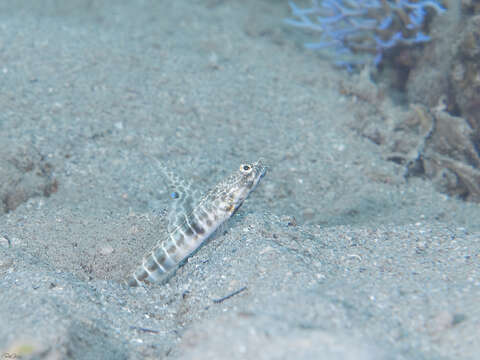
(195,226)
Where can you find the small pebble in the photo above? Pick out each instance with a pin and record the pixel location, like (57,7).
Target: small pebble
(106,250)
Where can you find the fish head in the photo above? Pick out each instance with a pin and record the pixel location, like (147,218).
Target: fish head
(242,182)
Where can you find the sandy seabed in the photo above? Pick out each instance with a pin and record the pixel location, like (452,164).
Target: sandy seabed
(338,255)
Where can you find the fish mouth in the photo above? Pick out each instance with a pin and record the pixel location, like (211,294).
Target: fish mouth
(264,172)
(262,169)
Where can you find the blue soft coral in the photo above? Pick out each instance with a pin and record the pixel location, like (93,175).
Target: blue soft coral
(364,27)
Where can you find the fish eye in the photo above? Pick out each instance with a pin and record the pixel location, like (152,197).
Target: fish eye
(245,168)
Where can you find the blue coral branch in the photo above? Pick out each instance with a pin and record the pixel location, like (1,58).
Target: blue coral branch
(364,27)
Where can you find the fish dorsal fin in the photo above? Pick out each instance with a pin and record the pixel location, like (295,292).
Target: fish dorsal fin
(183,196)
